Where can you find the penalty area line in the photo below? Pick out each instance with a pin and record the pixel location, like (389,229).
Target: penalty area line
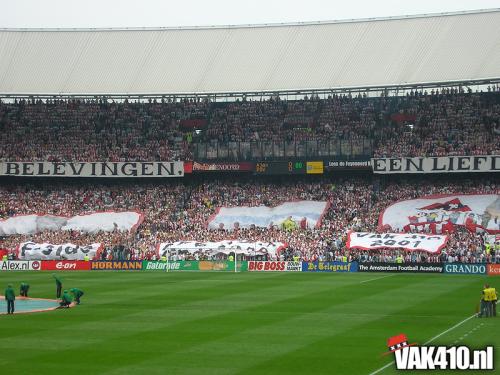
(377,278)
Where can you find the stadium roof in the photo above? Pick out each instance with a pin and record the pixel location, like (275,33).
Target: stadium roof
(401,51)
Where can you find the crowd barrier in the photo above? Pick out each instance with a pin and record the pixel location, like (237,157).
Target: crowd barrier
(251,266)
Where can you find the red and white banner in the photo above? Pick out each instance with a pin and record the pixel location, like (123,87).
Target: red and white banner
(91,223)
(65,265)
(47,251)
(296,213)
(275,266)
(441,213)
(407,241)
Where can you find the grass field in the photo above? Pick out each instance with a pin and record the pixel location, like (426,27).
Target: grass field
(244,323)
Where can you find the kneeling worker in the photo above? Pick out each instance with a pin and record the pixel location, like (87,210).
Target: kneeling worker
(65,299)
(77,293)
(23,290)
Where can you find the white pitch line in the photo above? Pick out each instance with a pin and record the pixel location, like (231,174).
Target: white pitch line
(377,278)
(429,341)
(450,329)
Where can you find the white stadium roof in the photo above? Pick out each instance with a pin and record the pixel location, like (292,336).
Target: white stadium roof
(441,48)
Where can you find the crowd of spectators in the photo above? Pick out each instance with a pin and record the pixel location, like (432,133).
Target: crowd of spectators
(435,123)
(177,211)
(92,130)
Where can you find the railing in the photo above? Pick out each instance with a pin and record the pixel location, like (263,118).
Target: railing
(275,150)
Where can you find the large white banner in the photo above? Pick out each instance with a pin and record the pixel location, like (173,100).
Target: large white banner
(308,213)
(407,241)
(47,251)
(93,169)
(221,247)
(439,214)
(91,223)
(445,164)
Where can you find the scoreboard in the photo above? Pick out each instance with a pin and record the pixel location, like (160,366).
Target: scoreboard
(289,167)
(280,167)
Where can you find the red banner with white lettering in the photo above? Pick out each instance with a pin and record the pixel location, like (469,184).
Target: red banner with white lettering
(65,265)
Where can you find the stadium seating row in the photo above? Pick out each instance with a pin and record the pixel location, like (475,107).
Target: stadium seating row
(420,124)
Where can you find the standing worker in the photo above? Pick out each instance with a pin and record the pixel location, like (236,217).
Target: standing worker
(23,290)
(485,302)
(493,301)
(58,285)
(10,297)
(77,293)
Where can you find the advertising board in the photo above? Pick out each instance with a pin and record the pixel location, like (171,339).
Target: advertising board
(65,265)
(20,265)
(133,265)
(280,266)
(465,268)
(493,269)
(329,266)
(401,267)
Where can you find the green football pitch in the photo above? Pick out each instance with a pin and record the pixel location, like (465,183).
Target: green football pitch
(243,323)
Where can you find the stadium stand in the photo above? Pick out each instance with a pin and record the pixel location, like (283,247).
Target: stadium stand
(419,124)
(250,93)
(179,211)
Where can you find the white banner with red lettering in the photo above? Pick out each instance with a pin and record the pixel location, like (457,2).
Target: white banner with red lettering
(407,241)
(299,214)
(47,251)
(441,213)
(91,223)
(220,247)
